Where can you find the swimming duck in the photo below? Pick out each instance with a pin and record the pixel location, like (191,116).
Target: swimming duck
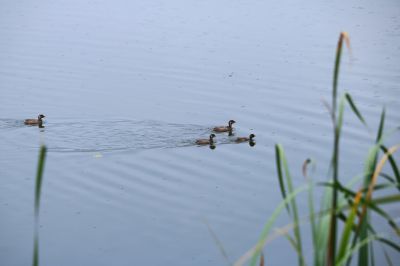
(206,141)
(35,122)
(245,139)
(225,128)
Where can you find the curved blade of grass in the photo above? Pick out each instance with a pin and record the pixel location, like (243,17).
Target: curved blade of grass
(371,205)
(388,260)
(254,252)
(389,243)
(39,177)
(392,164)
(218,242)
(283,162)
(311,205)
(359,245)
(390,179)
(344,244)
(354,108)
(278,161)
(323,229)
(344,37)
(35,259)
(381,126)
(292,243)
(378,169)
(364,217)
(38,186)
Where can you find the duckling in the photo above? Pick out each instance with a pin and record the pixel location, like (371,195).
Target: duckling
(34,122)
(206,141)
(245,139)
(225,128)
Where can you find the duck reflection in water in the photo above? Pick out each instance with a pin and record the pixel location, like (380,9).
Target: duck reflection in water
(252,143)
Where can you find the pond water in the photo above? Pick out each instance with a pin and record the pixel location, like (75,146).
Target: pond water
(128,86)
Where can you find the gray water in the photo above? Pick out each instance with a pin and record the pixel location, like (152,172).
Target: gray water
(128,86)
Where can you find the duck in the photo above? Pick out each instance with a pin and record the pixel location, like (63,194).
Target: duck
(34,122)
(245,139)
(225,128)
(206,141)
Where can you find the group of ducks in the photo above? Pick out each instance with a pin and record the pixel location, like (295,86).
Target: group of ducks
(210,141)
(222,129)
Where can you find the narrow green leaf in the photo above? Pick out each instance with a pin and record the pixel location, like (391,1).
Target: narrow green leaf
(218,243)
(392,164)
(278,157)
(39,178)
(293,205)
(389,243)
(386,199)
(354,108)
(381,126)
(35,259)
(271,221)
(358,246)
(344,244)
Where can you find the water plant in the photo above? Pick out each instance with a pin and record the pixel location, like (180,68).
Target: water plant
(342,229)
(38,188)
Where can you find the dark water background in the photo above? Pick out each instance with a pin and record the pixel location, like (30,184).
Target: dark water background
(127,86)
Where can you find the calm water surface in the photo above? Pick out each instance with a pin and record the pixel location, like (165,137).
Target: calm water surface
(127,86)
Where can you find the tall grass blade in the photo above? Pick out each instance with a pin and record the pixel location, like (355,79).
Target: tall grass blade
(393,164)
(323,229)
(388,260)
(335,173)
(218,243)
(358,246)
(344,244)
(35,259)
(254,252)
(335,158)
(378,169)
(39,178)
(278,161)
(344,37)
(364,217)
(280,153)
(38,186)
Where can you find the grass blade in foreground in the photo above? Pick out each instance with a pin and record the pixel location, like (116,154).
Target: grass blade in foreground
(39,178)
(282,162)
(254,252)
(38,186)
